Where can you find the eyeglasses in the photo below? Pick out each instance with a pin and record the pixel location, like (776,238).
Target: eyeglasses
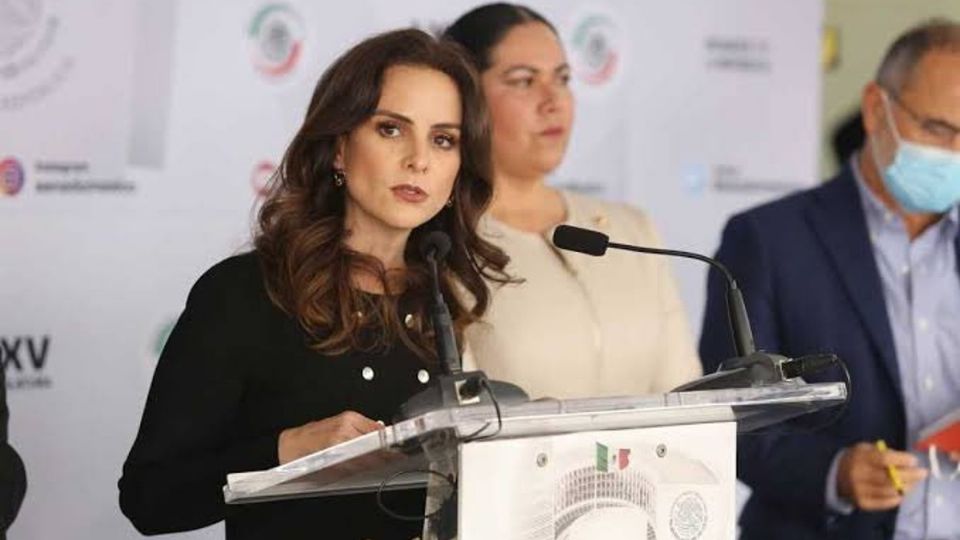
(940,130)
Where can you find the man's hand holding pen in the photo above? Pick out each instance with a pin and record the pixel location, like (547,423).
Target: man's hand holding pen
(874,478)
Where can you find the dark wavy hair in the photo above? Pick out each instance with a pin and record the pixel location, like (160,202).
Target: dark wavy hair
(300,237)
(482,28)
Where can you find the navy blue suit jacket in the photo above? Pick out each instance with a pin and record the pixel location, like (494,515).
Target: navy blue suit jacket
(811,284)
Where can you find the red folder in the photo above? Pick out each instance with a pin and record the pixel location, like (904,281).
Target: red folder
(944,433)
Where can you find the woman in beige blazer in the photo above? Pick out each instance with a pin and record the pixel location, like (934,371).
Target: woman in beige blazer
(575,326)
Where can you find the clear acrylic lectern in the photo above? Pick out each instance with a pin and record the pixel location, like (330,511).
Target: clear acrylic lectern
(658,466)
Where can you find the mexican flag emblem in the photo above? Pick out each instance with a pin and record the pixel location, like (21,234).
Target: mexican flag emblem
(608,460)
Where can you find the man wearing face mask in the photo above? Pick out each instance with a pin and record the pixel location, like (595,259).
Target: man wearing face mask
(866,266)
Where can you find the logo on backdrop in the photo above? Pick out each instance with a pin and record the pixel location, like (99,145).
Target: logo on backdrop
(741,54)
(596,49)
(698,178)
(75,177)
(161,336)
(19,19)
(24,361)
(688,516)
(609,460)
(276,35)
(11,177)
(580,184)
(260,177)
(30,66)
(155,342)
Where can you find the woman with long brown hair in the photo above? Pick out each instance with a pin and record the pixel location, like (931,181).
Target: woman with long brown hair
(321,331)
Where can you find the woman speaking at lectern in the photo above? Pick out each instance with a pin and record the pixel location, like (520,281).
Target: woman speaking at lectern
(320,331)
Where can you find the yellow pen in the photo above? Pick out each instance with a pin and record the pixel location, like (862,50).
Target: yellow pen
(891,470)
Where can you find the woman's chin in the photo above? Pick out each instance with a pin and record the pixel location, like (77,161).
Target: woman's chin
(548,159)
(407,219)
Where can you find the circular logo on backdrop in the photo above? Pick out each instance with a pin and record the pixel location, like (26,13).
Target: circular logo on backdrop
(595,48)
(260,177)
(276,36)
(161,336)
(19,19)
(156,344)
(11,177)
(688,516)
(695,178)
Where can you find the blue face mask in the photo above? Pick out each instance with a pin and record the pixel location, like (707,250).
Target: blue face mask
(923,179)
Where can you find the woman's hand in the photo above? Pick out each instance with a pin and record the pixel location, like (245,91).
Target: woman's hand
(304,440)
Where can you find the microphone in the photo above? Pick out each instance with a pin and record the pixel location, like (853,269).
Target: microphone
(454,388)
(435,246)
(749,367)
(434,249)
(596,243)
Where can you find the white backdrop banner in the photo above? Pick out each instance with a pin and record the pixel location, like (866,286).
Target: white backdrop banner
(135,135)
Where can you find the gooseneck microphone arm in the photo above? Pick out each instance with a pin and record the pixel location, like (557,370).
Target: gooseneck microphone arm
(454,387)
(749,367)
(743,343)
(596,243)
(444,335)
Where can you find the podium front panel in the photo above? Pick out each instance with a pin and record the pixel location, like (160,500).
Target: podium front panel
(660,482)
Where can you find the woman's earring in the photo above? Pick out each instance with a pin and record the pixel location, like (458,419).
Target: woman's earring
(339,179)
(449,202)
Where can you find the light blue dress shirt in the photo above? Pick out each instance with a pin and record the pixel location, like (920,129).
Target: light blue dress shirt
(921,287)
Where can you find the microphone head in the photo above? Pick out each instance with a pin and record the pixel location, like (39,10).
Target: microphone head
(436,244)
(580,240)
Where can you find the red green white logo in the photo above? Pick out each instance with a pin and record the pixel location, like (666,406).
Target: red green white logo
(276,35)
(596,48)
(260,178)
(609,460)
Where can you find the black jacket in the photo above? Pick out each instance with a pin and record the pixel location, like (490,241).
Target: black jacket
(235,372)
(13,477)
